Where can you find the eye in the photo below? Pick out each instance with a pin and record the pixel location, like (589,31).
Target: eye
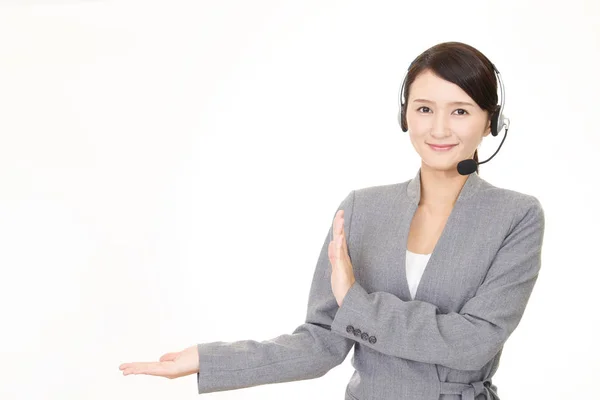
(422,107)
(461,109)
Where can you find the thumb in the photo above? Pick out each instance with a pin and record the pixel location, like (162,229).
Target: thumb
(169,356)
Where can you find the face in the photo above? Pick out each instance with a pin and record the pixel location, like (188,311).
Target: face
(440,112)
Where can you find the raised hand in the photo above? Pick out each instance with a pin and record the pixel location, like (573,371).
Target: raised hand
(342,274)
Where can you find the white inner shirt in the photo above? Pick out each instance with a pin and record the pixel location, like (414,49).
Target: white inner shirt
(415,265)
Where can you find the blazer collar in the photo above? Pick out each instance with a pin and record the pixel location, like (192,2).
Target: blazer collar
(472,184)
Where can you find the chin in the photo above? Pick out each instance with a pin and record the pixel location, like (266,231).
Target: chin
(441,166)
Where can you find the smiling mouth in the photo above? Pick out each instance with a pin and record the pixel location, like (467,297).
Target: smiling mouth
(441,148)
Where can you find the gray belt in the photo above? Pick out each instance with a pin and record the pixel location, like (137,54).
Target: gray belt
(469,391)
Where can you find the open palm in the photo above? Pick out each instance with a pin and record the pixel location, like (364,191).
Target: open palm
(170,365)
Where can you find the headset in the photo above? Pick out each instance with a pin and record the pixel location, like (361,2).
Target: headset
(498,122)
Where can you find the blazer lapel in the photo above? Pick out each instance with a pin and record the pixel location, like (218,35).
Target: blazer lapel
(441,256)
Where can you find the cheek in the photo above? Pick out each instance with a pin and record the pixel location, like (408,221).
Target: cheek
(469,132)
(419,125)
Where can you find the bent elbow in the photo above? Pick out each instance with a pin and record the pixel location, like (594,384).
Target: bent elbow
(327,364)
(477,357)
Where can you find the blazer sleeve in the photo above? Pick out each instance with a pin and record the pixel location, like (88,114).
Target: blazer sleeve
(465,340)
(310,351)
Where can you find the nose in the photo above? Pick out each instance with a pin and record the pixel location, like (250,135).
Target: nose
(440,128)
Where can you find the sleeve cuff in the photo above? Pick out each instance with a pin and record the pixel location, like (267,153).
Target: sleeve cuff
(211,357)
(348,322)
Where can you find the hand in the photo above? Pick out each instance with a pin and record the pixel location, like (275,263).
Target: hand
(171,365)
(342,274)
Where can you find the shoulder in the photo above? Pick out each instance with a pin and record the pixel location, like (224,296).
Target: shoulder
(384,193)
(378,197)
(503,202)
(498,195)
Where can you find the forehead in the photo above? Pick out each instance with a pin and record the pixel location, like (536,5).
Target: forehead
(429,86)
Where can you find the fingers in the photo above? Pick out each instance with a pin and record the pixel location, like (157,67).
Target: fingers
(148,368)
(339,232)
(165,357)
(338,224)
(338,244)
(331,252)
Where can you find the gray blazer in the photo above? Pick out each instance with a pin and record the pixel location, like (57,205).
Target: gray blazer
(443,344)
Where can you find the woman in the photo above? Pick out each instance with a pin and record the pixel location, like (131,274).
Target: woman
(426,278)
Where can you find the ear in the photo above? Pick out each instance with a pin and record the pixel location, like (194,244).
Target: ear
(488,128)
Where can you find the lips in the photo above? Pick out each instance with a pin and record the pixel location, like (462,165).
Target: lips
(441,147)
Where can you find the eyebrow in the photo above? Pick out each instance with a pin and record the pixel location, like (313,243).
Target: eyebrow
(458,103)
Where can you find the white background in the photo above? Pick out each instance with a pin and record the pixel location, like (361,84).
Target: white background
(164,163)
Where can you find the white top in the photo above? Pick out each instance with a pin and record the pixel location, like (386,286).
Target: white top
(415,265)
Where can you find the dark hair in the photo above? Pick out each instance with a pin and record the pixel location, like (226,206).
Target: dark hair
(462,65)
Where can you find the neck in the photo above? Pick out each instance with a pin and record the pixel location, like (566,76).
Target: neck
(439,188)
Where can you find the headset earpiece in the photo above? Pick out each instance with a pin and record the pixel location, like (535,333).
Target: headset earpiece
(402,106)
(402,118)
(498,122)
(494,127)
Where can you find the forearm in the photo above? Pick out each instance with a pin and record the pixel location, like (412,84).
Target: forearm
(308,353)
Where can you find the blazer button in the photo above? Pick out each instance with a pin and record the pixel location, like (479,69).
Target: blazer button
(372,339)
(364,336)
(349,329)
(357,332)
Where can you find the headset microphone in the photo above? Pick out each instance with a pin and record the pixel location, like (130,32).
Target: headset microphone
(468,166)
